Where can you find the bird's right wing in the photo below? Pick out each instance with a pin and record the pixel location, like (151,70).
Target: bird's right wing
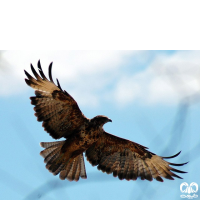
(59,112)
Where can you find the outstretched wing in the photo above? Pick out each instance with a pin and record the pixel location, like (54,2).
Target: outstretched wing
(129,160)
(59,112)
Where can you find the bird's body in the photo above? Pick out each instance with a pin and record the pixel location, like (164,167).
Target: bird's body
(82,140)
(62,117)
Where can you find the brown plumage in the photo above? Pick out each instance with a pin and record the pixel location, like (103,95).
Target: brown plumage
(62,117)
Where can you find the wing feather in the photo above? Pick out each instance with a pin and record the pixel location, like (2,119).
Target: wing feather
(50,72)
(59,112)
(126,165)
(129,160)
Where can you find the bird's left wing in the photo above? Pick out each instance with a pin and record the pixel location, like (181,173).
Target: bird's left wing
(129,160)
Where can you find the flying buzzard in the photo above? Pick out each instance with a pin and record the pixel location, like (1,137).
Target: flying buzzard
(62,117)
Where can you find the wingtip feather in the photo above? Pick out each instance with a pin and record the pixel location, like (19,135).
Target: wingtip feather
(38,64)
(59,85)
(172,156)
(50,72)
(181,164)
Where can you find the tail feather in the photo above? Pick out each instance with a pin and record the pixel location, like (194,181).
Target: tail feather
(77,174)
(49,147)
(51,144)
(58,170)
(50,158)
(71,169)
(72,172)
(74,169)
(82,166)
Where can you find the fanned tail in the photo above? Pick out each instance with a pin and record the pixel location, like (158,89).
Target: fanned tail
(71,169)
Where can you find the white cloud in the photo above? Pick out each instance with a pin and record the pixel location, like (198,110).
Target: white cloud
(175,77)
(82,73)
(127,89)
(167,80)
(96,76)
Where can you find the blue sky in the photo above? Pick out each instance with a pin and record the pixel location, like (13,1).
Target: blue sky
(152,98)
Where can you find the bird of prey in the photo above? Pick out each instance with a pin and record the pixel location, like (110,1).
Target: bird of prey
(62,117)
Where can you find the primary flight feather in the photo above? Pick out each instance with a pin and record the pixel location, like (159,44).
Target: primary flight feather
(62,117)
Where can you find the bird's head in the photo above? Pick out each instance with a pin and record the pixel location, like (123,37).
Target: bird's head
(100,120)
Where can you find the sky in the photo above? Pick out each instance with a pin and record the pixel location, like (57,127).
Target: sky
(152,97)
